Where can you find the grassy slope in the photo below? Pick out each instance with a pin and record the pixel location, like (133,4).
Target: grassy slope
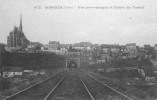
(32,61)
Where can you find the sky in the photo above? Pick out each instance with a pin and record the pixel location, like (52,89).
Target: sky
(84,21)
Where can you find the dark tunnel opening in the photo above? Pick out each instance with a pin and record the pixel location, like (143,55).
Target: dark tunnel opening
(72,64)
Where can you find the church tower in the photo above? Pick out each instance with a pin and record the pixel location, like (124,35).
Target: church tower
(17,39)
(20,27)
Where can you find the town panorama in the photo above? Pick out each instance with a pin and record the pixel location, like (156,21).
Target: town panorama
(80,71)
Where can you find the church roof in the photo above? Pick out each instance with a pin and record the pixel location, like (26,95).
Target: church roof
(15,30)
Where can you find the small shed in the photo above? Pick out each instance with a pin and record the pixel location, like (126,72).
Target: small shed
(12,72)
(149,75)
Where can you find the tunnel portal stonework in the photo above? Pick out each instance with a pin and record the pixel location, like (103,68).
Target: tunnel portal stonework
(76,60)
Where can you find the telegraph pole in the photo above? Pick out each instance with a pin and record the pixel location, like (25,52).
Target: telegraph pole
(1,59)
(0,56)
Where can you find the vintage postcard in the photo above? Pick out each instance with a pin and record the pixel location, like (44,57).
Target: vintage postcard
(78,50)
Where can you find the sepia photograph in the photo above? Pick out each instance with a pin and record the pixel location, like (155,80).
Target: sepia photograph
(78,49)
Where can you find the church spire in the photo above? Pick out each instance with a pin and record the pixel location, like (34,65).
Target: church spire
(20,27)
(14,24)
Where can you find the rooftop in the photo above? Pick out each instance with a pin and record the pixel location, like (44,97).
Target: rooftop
(110,46)
(131,44)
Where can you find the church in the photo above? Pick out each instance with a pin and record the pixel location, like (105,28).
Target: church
(17,39)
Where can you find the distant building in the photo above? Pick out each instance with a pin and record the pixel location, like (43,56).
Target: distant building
(83,47)
(148,75)
(123,53)
(66,46)
(72,50)
(64,50)
(9,72)
(53,45)
(17,39)
(95,45)
(109,51)
(106,48)
(34,47)
(82,44)
(131,49)
(155,47)
(147,47)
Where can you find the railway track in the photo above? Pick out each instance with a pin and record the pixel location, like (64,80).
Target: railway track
(50,89)
(93,88)
(38,91)
(99,90)
(86,87)
(71,85)
(55,88)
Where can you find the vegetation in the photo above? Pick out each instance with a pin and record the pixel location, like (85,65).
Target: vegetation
(123,63)
(4,84)
(32,60)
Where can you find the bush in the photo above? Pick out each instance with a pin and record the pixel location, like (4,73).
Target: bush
(4,84)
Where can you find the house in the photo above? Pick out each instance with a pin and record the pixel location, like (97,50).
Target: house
(106,57)
(122,51)
(147,47)
(132,50)
(155,47)
(107,48)
(28,71)
(8,72)
(53,45)
(30,50)
(109,52)
(148,75)
(35,73)
(82,44)
(42,71)
(149,50)
(64,50)
(83,47)
(33,47)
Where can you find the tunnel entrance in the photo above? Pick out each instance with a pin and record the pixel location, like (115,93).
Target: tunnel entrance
(72,64)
